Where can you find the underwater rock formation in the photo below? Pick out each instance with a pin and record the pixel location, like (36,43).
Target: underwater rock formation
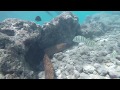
(99,62)
(22,43)
(27,49)
(61,29)
(84,62)
(13,36)
(98,24)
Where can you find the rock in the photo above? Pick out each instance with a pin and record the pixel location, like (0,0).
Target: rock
(117,62)
(60,57)
(54,60)
(92,76)
(22,45)
(71,72)
(61,29)
(114,74)
(13,41)
(88,29)
(76,74)
(77,62)
(58,72)
(66,73)
(99,59)
(71,77)
(24,42)
(3,53)
(102,71)
(110,65)
(41,75)
(118,57)
(104,77)
(5,41)
(69,67)
(63,64)
(103,53)
(117,69)
(56,66)
(99,24)
(84,57)
(84,76)
(71,63)
(11,76)
(1,76)
(79,68)
(66,59)
(107,77)
(118,43)
(95,73)
(97,65)
(63,76)
(88,69)
(8,32)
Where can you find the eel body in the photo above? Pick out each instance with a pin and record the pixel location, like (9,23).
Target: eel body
(49,52)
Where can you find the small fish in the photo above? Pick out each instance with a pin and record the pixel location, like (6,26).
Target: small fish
(38,18)
(84,40)
(79,39)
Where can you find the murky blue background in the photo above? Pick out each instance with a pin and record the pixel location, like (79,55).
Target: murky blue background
(30,15)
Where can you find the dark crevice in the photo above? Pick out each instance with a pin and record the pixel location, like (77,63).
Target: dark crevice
(34,57)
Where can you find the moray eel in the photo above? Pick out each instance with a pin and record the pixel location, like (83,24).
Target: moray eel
(55,49)
(49,52)
(49,70)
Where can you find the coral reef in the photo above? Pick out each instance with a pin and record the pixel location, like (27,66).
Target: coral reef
(30,51)
(98,62)
(98,24)
(61,29)
(22,44)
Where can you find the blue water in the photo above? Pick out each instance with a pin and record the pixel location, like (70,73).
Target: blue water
(30,15)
